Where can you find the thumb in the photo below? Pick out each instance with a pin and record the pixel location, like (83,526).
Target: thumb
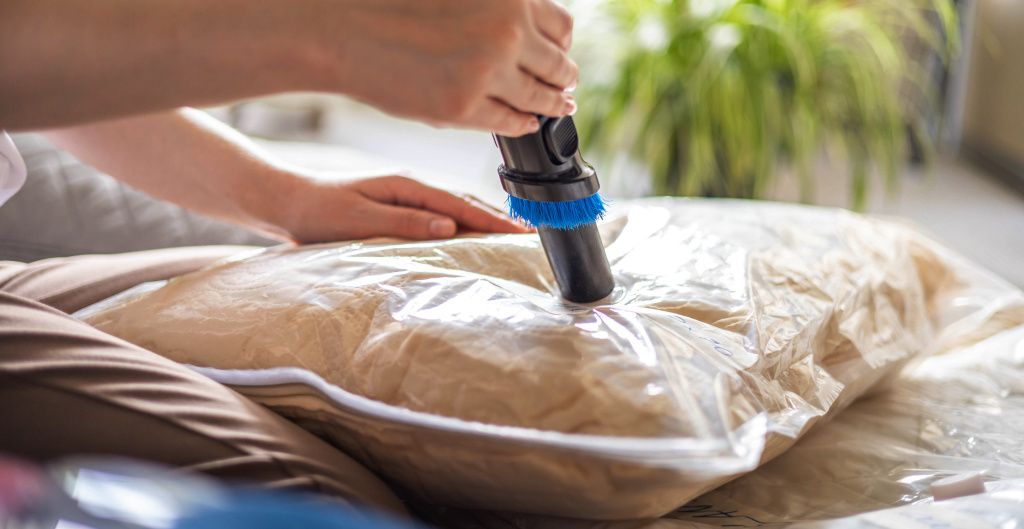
(410,223)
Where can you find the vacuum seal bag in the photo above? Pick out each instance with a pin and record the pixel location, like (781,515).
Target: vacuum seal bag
(958,409)
(956,413)
(453,369)
(959,413)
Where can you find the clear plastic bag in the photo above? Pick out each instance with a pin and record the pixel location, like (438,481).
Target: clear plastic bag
(959,408)
(453,369)
(957,411)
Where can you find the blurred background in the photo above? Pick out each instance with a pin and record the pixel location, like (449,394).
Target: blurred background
(910,108)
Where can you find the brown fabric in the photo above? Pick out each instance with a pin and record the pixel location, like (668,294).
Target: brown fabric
(69,389)
(71,283)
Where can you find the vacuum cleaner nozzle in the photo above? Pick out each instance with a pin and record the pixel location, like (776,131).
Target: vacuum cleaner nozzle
(552,188)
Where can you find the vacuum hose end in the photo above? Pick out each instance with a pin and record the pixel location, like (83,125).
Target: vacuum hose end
(552,188)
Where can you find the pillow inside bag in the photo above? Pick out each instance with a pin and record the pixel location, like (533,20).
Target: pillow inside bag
(453,368)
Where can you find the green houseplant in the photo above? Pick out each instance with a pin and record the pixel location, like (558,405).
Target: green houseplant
(714,96)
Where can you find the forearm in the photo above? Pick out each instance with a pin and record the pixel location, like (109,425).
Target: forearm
(191,159)
(64,62)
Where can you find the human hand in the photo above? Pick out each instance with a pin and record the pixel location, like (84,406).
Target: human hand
(484,64)
(390,206)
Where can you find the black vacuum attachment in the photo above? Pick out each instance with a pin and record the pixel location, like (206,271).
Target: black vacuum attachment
(551,188)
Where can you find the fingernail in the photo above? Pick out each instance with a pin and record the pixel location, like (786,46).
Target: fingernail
(570,108)
(442,228)
(571,88)
(533,125)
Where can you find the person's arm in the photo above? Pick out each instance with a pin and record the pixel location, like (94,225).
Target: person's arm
(64,62)
(487,64)
(189,158)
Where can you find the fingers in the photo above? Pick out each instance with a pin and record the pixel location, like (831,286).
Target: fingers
(554,22)
(469,214)
(487,207)
(539,84)
(489,219)
(549,63)
(499,117)
(526,94)
(408,223)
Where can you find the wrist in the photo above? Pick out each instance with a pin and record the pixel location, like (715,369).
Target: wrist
(272,203)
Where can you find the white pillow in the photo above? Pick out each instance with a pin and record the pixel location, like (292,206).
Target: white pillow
(453,369)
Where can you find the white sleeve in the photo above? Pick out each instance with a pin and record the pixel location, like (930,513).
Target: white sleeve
(12,168)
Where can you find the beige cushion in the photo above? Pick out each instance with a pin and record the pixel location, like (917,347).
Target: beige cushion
(453,369)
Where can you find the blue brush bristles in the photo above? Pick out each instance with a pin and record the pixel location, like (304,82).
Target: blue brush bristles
(559,215)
